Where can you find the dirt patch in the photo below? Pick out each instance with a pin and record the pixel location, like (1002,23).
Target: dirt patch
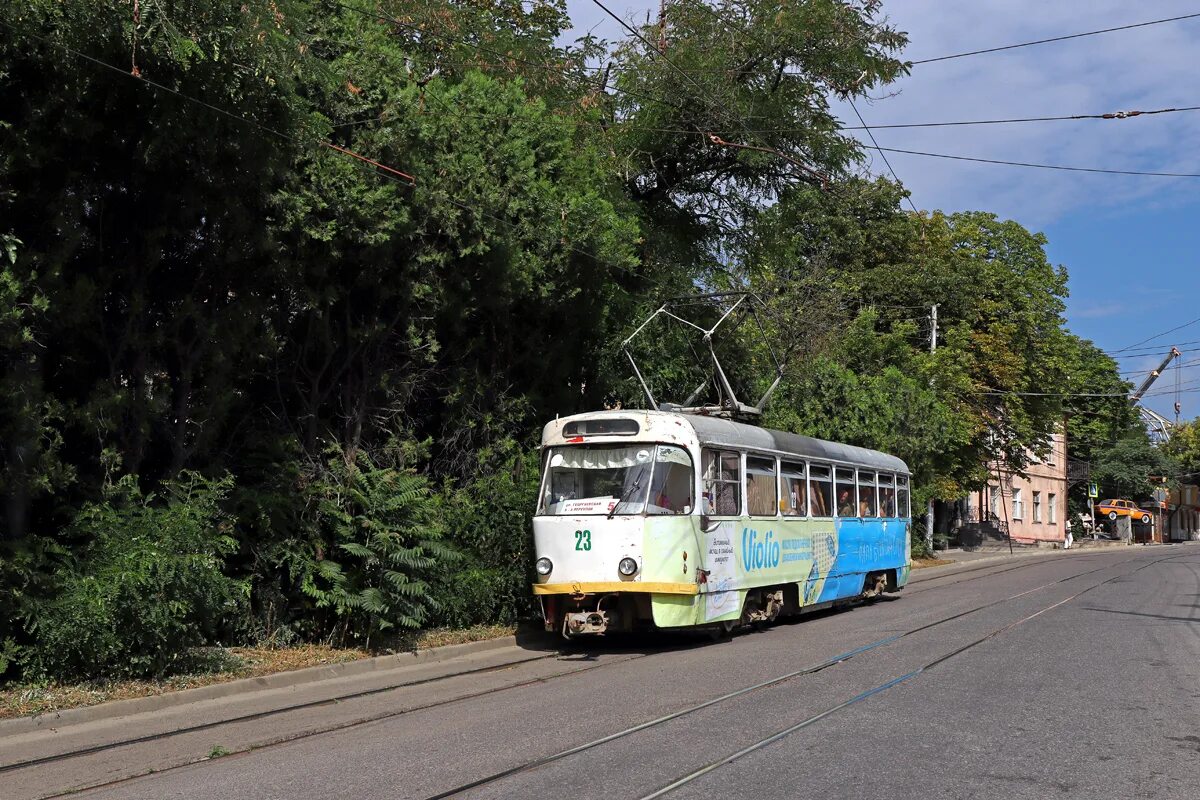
(227,664)
(922,563)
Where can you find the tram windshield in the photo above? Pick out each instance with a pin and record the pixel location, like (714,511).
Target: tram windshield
(617,479)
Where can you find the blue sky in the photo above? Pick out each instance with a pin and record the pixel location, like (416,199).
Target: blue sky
(1130,244)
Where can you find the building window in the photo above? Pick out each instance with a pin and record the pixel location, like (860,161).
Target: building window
(1018,508)
(1052,508)
(994,495)
(1037,506)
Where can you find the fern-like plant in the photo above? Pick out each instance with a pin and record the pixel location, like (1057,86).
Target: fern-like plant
(383,545)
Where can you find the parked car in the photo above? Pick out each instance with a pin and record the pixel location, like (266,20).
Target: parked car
(1123,508)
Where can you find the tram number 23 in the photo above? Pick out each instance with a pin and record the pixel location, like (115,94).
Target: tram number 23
(583,540)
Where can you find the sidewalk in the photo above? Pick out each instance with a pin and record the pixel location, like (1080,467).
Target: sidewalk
(960,558)
(79,748)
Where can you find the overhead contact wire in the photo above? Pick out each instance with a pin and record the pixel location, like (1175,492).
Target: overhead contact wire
(1056,39)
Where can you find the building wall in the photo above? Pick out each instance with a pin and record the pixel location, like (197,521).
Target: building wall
(1035,505)
(1183,514)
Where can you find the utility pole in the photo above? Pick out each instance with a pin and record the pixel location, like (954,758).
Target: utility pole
(929,508)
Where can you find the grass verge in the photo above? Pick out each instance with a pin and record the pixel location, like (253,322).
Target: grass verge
(922,563)
(228,664)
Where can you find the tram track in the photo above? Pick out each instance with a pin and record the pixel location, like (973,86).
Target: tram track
(292,708)
(838,659)
(328,729)
(349,696)
(883,687)
(1033,562)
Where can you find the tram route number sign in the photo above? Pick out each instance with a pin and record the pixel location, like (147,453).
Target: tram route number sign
(583,540)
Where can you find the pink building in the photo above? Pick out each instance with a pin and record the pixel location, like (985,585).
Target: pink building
(1032,507)
(1183,514)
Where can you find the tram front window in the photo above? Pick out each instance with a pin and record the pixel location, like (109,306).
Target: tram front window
(605,479)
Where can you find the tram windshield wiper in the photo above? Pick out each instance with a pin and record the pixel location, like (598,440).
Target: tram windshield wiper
(637,484)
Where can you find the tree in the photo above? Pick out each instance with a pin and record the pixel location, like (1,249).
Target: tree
(1125,467)
(1184,448)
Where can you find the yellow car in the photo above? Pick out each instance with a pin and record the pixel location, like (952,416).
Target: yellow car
(1123,508)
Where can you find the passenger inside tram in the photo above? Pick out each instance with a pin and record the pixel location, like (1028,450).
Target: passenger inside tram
(845,504)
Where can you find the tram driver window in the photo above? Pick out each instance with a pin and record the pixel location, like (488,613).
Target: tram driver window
(795,498)
(722,471)
(671,487)
(902,495)
(845,492)
(760,487)
(820,489)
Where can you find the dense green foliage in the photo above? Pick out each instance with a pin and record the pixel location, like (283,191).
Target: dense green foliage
(148,583)
(198,280)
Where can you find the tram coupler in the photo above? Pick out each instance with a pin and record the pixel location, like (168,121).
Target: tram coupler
(577,623)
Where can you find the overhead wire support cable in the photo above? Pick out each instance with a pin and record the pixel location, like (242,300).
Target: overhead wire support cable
(507,56)
(1056,39)
(704,98)
(1111,115)
(1156,336)
(1031,165)
(881,152)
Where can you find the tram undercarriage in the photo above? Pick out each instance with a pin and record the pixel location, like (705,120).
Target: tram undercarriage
(628,612)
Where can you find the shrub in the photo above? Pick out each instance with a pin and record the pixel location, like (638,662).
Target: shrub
(148,585)
(381,544)
(487,519)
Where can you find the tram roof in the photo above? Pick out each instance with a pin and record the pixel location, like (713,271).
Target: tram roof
(724,431)
(720,431)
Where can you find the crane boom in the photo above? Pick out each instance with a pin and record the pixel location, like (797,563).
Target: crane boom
(1153,376)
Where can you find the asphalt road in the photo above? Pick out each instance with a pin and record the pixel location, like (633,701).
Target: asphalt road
(1072,676)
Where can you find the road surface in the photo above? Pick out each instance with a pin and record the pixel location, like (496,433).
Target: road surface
(1069,676)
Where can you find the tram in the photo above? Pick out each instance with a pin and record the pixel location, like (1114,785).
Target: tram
(665,520)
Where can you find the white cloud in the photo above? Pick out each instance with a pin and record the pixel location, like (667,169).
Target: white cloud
(1145,68)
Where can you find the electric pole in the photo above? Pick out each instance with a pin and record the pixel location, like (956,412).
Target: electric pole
(929,508)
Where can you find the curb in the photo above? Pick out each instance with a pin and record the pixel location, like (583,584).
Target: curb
(1044,552)
(137,705)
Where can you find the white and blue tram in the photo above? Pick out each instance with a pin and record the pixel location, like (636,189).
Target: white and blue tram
(652,519)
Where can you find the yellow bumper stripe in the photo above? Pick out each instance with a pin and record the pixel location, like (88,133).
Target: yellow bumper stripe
(596,587)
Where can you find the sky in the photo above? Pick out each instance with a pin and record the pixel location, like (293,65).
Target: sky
(1131,244)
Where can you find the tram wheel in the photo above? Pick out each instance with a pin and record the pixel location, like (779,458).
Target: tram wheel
(722,630)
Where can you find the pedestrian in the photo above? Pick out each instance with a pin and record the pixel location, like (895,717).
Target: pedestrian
(1068,541)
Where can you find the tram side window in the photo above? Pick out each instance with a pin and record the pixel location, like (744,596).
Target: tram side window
(845,492)
(820,489)
(760,487)
(795,497)
(866,494)
(887,495)
(722,483)
(902,496)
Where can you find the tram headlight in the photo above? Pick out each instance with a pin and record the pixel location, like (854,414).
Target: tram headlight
(543,566)
(627,567)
